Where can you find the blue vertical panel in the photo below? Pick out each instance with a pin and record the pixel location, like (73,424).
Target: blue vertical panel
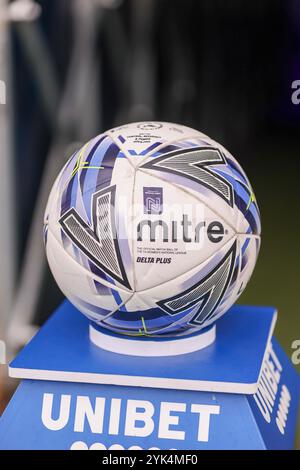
(275,405)
(60,415)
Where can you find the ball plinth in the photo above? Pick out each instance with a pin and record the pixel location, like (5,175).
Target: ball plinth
(145,346)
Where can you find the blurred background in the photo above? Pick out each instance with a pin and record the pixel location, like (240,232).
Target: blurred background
(70,69)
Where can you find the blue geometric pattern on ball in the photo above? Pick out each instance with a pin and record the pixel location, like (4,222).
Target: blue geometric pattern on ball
(105,290)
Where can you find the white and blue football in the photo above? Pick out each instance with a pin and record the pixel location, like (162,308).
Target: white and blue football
(152,229)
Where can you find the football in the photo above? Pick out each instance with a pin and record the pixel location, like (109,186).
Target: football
(152,229)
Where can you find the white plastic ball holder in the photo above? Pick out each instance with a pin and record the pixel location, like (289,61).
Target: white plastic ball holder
(151,347)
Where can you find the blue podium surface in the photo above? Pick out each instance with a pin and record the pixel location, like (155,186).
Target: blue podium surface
(62,351)
(239,393)
(64,415)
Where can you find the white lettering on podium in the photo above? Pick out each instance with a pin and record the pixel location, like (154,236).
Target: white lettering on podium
(167,419)
(138,420)
(85,411)
(114,421)
(133,415)
(64,412)
(204,419)
(266,394)
(283,408)
(268,384)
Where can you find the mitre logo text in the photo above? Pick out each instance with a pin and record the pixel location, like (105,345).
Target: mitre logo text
(175,230)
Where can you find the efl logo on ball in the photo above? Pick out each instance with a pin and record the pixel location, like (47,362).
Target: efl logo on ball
(153,200)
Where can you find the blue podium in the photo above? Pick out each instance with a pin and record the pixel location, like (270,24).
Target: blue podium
(240,392)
